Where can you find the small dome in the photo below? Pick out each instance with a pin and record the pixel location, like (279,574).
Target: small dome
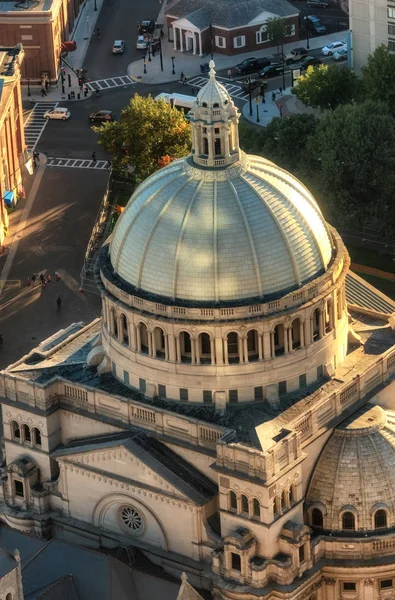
(353,484)
(251,230)
(213,93)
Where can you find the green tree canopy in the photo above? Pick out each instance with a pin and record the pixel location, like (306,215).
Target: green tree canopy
(326,87)
(276,29)
(378,76)
(146,137)
(352,155)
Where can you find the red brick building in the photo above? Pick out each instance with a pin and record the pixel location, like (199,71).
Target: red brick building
(40,26)
(226,26)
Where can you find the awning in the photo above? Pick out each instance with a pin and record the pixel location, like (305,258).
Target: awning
(69,46)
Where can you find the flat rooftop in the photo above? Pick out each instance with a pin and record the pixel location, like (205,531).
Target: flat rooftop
(7,6)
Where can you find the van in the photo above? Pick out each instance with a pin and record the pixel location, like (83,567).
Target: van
(180,101)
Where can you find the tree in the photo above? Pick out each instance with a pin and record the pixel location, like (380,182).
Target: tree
(148,135)
(326,87)
(378,76)
(352,155)
(277,29)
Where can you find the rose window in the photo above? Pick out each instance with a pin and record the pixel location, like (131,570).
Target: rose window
(131,519)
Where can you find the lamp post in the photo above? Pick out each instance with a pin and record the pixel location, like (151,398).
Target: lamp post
(145,65)
(95,6)
(160,54)
(250,94)
(149,50)
(172,62)
(211,41)
(28,88)
(257,110)
(307,33)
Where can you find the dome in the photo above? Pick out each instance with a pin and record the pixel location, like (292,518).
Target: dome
(355,474)
(220,226)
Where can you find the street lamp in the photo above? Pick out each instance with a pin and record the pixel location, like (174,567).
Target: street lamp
(28,88)
(149,50)
(250,94)
(95,6)
(257,110)
(172,62)
(145,65)
(160,54)
(307,33)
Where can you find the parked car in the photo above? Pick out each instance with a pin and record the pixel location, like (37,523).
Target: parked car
(295,55)
(147,26)
(271,71)
(341,54)
(141,43)
(332,48)
(317,4)
(118,47)
(101,116)
(58,113)
(310,61)
(314,25)
(251,65)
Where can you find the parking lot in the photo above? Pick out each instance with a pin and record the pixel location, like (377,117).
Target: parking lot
(334,18)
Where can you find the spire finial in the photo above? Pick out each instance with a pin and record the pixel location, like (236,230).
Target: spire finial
(211,64)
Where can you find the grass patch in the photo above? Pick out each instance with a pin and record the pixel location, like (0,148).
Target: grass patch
(384,285)
(369,258)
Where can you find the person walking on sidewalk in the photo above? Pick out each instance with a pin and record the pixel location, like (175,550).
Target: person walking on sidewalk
(273,96)
(59,302)
(94,156)
(43,92)
(229,73)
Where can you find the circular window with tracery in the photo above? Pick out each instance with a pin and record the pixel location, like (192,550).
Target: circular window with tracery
(131,519)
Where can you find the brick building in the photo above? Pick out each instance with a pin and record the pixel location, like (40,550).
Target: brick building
(12,137)
(41,26)
(225,26)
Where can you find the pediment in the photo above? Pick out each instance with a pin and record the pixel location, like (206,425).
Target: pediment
(120,462)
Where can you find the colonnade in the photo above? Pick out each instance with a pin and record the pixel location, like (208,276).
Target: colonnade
(184,42)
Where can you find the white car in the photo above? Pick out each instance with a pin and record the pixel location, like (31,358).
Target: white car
(141,43)
(332,48)
(341,54)
(118,47)
(58,113)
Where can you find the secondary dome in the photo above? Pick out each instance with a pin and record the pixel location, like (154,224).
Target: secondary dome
(220,225)
(353,484)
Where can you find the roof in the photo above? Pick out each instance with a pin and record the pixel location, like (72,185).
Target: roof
(356,469)
(7,562)
(155,455)
(228,13)
(187,592)
(247,231)
(360,293)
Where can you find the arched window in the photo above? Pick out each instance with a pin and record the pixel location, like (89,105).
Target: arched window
(217,147)
(291,495)
(215,105)
(348,521)
(279,340)
(317,519)
(8,597)
(244,505)
(160,342)
(204,104)
(295,333)
(144,344)
(36,436)
(186,347)
(27,436)
(316,324)
(114,323)
(380,519)
(232,501)
(233,347)
(205,145)
(205,348)
(15,431)
(252,345)
(256,508)
(125,330)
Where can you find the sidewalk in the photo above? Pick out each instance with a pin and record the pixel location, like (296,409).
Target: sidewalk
(190,64)
(84,27)
(285,104)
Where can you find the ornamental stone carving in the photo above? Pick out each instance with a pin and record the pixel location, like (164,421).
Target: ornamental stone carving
(329,581)
(368,582)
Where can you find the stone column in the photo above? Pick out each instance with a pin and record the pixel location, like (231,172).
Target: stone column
(322,324)
(153,344)
(171,342)
(301,333)
(290,342)
(212,350)
(175,37)
(132,340)
(197,350)
(138,331)
(194,43)
(240,349)
(272,346)
(225,345)
(150,344)
(178,351)
(193,351)
(200,44)
(181,41)
(285,335)
(245,349)
(120,329)
(225,137)
(260,346)
(166,346)
(267,349)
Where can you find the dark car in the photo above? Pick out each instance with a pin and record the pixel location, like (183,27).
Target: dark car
(251,65)
(101,116)
(271,71)
(317,4)
(147,26)
(310,61)
(314,25)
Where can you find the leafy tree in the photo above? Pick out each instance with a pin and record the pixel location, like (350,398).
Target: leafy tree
(352,156)
(148,136)
(378,76)
(326,87)
(277,29)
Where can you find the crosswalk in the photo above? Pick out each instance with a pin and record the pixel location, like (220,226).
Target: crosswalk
(77,163)
(110,83)
(236,91)
(35,123)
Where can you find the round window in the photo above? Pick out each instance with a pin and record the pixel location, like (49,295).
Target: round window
(131,519)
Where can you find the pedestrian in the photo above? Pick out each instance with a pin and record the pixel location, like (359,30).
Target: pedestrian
(34,277)
(280,108)
(263,98)
(273,96)
(59,302)
(34,164)
(28,281)
(49,278)
(46,85)
(1,341)
(57,276)
(280,89)
(43,92)
(182,76)
(162,35)
(229,73)
(42,278)
(36,155)
(94,156)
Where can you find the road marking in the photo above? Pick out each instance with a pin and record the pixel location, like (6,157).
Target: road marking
(35,123)
(110,83)
(77,163)
(236,91)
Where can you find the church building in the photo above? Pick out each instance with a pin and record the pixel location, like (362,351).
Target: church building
(231,414)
